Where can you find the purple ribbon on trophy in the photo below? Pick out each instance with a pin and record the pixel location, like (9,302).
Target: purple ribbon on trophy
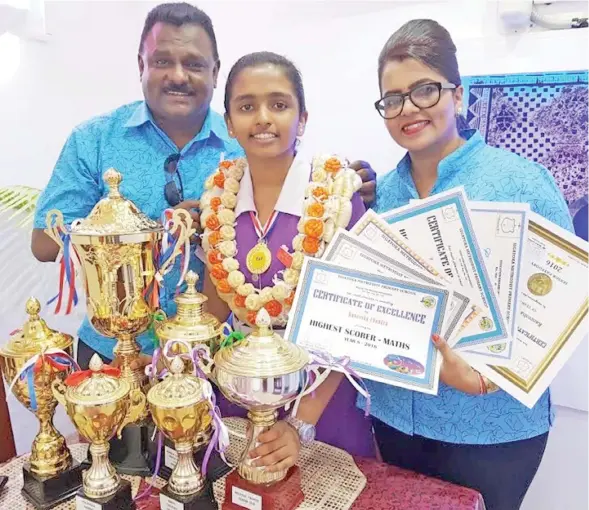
(321,359)
(220,438)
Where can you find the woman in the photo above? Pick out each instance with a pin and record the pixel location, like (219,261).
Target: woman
(489,442)
(252,210)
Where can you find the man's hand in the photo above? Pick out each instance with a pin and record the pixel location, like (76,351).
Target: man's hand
(279,449)
(368,175)
(193,208)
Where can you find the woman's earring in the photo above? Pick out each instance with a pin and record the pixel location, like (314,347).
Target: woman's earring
(459,110)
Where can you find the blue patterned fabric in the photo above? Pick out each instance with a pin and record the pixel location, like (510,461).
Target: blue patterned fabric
(128,140)
(493,175)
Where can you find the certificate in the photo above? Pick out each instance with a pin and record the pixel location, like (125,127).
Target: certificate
(383,325)
(552,319)
(440,229)
(346,249)
(501,229)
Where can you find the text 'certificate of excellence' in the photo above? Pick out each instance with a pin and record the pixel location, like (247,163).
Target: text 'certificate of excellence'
(383,325)
(440,228)
(501,229)
(552,317)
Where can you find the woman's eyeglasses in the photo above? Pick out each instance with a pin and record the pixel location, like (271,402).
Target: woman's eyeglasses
(174,194)
(422,96)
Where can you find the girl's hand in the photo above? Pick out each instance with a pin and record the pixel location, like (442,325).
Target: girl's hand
(280,448)
(455,371)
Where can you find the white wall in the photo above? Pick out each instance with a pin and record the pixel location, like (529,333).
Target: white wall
(88,65)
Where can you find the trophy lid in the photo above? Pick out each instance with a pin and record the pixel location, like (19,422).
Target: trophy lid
(100,387)
(262,353)
(178,389)
(190,323)
(35,336)
(114,214)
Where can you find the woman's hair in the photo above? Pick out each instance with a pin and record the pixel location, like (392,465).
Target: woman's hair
(261,58)
(428,42)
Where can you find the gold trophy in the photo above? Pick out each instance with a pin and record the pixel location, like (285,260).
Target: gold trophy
(97,401)
(180,334)
(35,357)
(181,410)
(263,372)
(116,244)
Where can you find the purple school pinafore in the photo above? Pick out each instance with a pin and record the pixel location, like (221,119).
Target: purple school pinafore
(342,424)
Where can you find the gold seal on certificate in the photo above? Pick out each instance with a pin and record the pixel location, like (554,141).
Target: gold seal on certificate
(540,284)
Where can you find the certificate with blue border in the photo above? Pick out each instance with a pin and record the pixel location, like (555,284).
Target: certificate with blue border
(501,230)
(440,228)
(384,325)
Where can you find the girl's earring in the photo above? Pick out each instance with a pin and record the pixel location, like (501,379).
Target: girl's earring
(459,110)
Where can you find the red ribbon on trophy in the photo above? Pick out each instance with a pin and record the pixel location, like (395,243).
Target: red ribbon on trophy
(75,378)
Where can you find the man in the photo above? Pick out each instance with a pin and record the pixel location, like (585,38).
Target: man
(165,146)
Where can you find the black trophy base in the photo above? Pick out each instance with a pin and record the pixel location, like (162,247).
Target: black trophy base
(47,492)
(216,468)
(120,500)
(130,455)
(204,500)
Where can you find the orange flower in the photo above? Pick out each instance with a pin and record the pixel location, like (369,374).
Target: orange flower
(215,203)
(218,272)
(311,245)
(273,308)
(239,301)
(214,238)
(289,300)
(320,193)
(214,257)
(223,286)
(219,179)
(314,228)
(226,163)
(251,318)
(316,210)
(332,165)
(213,222)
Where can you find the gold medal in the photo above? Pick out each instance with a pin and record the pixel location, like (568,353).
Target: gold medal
(540,284)
(258,259)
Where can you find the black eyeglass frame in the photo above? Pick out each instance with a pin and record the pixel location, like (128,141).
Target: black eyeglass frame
(173,194)
(440,85)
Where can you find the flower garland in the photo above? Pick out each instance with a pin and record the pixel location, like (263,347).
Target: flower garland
(327,207)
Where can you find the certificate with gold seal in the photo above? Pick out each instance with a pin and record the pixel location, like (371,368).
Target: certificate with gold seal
(552,316)
(383,325)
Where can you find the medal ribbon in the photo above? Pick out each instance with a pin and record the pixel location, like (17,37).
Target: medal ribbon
(263,232)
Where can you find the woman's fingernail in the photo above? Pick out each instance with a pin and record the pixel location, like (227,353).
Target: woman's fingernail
(436,338)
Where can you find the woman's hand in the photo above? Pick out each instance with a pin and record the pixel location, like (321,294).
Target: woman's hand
(280,448)
(455,371)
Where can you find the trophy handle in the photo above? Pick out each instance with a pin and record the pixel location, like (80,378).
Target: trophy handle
(55,225)
(58,389)
(137,406)
(182,226)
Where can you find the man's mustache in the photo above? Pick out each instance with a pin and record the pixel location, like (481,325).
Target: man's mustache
(179,89)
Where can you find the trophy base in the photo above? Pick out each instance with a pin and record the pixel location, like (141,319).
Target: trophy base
(216,468)
(120,500)
(130,454)
(46,492)
(203,500)
(283,495)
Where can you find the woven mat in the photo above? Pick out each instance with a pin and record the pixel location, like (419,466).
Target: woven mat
(325,488)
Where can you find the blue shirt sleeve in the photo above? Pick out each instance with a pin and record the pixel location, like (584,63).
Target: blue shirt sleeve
(74,185)
(550,203)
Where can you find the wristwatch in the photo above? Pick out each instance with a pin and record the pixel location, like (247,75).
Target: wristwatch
(305,430)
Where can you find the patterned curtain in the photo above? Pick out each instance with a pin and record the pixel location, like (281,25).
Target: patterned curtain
(542,117)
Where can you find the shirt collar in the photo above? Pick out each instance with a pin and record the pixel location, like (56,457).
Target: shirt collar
(291,196)
(213,124)
(452,163)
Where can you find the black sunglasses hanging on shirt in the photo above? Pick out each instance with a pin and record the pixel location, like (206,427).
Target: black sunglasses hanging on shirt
(174,194)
